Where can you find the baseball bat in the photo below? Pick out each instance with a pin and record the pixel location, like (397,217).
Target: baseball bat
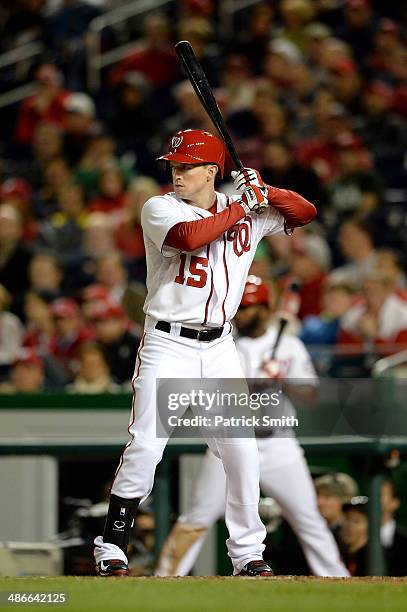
(204,92)
(291,305)
(282,323)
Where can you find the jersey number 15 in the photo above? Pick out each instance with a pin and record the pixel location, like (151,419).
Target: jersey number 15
(197,274)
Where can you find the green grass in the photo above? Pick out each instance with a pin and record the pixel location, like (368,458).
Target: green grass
(215,594)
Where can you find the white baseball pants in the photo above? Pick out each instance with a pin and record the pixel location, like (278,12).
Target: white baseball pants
(163,355)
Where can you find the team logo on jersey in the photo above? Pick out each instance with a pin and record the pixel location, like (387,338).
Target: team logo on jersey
(176,141)
(240,234)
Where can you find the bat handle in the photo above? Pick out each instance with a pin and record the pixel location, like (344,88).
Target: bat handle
(282,325)
(237,162)
(261,210)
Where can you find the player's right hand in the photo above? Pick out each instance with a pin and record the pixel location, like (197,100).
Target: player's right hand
(254,199)
(272,369)
(245,177)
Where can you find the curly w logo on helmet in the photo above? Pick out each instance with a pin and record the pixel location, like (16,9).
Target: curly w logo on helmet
(176,141)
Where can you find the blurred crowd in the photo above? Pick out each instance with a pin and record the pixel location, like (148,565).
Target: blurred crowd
(347,514)
(315,96)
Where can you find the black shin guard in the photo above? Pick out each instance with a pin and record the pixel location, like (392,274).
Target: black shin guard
(119,521)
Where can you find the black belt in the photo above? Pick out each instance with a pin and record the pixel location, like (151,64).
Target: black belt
(203,335)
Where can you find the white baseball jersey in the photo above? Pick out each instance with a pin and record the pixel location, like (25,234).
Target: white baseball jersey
(202,288)
(293,358)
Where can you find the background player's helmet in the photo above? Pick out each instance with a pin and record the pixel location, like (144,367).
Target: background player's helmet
(196,147)
(255,292)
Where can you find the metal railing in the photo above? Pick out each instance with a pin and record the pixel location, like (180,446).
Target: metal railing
(17,94)
(96,60)
(19,54)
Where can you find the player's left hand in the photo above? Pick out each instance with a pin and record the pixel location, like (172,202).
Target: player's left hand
(245,177)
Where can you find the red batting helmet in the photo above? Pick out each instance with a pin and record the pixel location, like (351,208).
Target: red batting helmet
(255,292)
(196,147)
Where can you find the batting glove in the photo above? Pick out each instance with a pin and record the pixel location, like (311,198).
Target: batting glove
(245,177)
(254,199)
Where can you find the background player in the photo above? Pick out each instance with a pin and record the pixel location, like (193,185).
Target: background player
(199,248)
(284,474)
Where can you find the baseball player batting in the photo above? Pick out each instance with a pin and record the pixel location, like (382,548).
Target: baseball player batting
(284,473)
(199,247)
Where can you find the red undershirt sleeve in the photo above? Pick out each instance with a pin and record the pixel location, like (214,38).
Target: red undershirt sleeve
(192,235)
(295,209)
